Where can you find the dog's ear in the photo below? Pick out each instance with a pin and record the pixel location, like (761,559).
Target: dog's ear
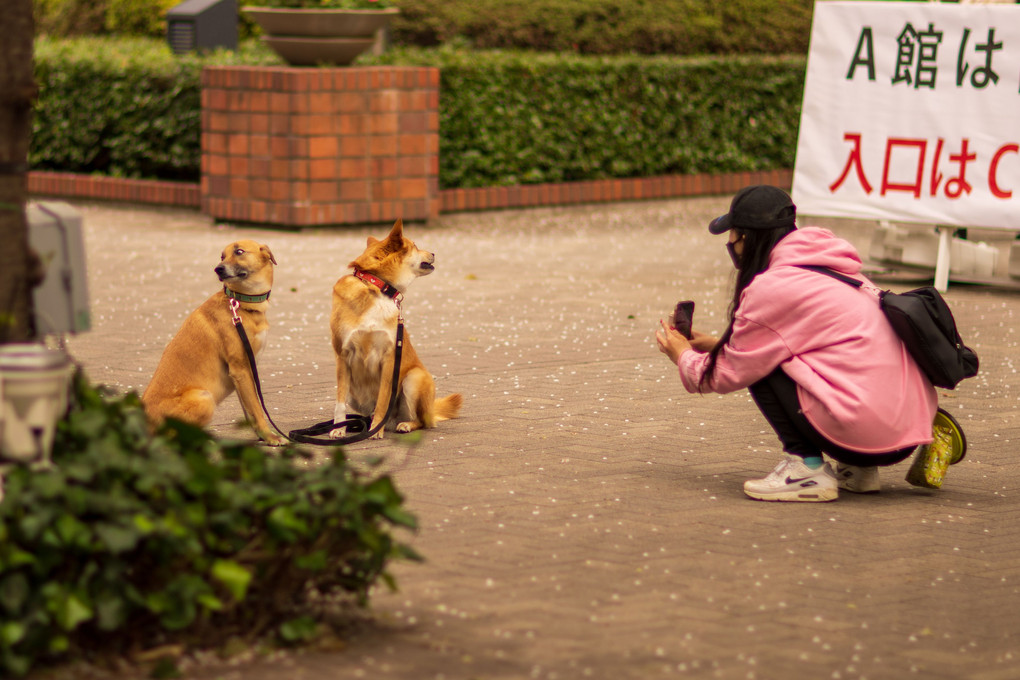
(397,232)
(267,251)
(372,240)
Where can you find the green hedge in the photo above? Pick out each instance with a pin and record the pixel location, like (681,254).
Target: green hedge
(522,119)
(106,109)
(97,17)
(677,27)
(132,109)
(121,107)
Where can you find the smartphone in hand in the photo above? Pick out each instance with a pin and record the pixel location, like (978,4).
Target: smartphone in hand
(683,316)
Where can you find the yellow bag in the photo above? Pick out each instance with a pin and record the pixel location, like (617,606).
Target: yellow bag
(948,447)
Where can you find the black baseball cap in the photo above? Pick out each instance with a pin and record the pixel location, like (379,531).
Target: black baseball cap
(761,206)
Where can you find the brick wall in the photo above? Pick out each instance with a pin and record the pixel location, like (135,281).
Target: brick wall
(302,147)
(608,190)
(56,185)
(93,187)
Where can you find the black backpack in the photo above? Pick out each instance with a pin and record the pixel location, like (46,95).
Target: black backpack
(924,322)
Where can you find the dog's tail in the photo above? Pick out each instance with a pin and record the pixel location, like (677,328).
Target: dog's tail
(448,407)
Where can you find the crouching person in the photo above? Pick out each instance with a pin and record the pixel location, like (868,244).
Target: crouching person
(819,358)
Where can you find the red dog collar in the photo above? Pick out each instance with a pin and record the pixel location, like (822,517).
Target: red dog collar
(387,289)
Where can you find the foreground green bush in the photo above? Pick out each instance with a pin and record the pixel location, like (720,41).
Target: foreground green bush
(131,540)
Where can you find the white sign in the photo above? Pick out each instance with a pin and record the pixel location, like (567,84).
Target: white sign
(912,113)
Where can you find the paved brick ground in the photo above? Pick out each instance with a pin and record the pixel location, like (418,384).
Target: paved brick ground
(584,518)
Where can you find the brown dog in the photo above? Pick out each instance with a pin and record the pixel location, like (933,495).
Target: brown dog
(364,327)
(205,361)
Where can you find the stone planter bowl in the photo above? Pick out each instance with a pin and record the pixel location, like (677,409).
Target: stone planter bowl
(307,37)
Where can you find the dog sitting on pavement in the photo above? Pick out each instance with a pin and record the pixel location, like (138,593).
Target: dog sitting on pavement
(205,361)
(363,323)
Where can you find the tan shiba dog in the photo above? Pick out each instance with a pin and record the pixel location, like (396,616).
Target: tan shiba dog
(364,327)
(205,361)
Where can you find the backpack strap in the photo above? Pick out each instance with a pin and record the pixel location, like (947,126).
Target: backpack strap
(834,274)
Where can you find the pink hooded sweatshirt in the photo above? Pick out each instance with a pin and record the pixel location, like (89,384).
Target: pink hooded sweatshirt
(856,381)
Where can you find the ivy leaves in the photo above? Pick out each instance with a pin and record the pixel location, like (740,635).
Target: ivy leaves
(178,533)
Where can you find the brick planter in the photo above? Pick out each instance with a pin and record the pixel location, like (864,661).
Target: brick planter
(299,147)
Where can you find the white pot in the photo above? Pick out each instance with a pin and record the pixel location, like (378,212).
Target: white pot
(34,384)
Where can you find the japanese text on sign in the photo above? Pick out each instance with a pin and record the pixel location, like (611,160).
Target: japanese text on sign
(910,113)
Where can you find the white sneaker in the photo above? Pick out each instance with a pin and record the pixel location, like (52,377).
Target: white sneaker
(857,479)
(792,480)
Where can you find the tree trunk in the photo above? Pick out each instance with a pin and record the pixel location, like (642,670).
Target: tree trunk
(17,93)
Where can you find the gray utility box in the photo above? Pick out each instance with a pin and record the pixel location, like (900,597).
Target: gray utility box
(62,300)
(202,25)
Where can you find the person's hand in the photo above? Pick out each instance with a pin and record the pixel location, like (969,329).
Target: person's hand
(703,342)
(670,342)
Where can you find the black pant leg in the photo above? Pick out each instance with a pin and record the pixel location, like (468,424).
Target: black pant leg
(776,398)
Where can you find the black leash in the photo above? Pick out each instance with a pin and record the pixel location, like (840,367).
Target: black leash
(357,426)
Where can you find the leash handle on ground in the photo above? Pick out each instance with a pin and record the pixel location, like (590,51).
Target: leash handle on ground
(358,426)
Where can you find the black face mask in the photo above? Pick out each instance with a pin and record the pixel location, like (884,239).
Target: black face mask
(731,249)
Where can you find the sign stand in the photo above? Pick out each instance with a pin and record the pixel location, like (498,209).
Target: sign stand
(942,260)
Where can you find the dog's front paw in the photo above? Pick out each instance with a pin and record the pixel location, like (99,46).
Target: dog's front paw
(407,426)
(272,439)
(337,433)
(379,434)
